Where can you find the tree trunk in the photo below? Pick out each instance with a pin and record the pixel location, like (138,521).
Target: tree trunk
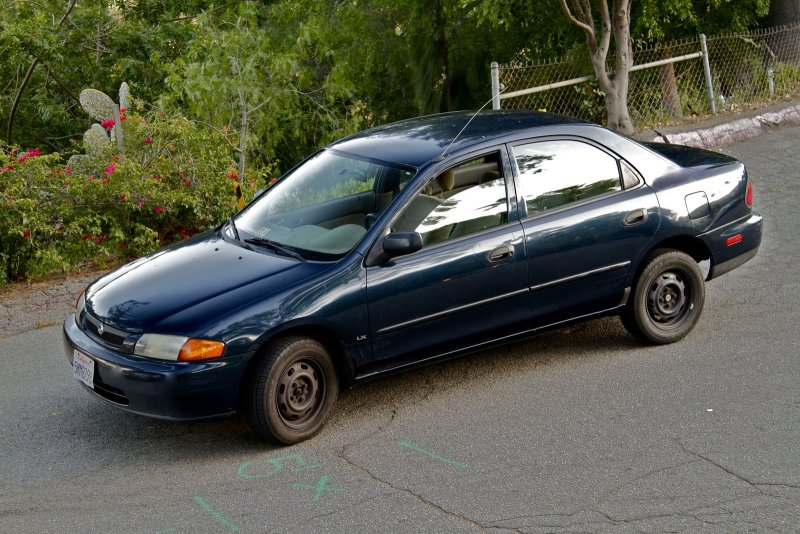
(615,21)
(785,12)
(670,96)
(669,92)
(444,53)
(619,118)
(618,115)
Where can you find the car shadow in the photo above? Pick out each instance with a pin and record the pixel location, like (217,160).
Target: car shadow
(97,424)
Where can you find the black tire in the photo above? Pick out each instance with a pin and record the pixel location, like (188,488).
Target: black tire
(668,298)
(292,391)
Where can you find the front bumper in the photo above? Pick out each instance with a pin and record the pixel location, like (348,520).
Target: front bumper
(177,391)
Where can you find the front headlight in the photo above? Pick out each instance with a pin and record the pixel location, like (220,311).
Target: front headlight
(178,348)
(80,305)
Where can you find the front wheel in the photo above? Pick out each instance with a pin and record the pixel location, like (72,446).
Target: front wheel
(292,391)
(667,298)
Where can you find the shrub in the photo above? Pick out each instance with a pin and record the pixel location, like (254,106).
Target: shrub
(177,179)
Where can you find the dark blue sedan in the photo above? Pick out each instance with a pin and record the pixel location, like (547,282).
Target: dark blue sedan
(406,244)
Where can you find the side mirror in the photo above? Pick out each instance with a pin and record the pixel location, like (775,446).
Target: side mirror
(391,245)
(401,243)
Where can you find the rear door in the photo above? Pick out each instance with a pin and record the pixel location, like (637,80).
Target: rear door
(587,216)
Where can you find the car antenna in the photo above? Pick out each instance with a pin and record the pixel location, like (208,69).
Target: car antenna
(441,156)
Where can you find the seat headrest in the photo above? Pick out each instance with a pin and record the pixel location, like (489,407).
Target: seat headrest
(446,180)
(489,176)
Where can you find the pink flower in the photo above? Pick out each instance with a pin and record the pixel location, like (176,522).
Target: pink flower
(140,204)
(26,234)
(68,170)
(147,140)
(158,209)
(110,169)
(122,198)
(105,181)
(156,177)
(107,124)
(29,154)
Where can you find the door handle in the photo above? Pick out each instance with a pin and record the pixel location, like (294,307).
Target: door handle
(501,253)
(635,217)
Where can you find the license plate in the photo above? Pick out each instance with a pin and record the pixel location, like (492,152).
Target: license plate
(83,368)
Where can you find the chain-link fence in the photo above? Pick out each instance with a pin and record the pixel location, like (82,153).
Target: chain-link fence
(744,67)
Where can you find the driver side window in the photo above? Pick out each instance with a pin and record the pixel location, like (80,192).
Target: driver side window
(462,200)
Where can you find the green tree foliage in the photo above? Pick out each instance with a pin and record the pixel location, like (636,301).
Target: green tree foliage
(677,19)
(263,83)
(100,44)
(266,73)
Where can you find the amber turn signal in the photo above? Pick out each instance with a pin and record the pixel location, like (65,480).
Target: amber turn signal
(200,349)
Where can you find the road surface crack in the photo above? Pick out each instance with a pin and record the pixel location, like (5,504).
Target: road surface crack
(342,457)
(720,466)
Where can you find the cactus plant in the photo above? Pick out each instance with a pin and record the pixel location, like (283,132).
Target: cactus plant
(102,108)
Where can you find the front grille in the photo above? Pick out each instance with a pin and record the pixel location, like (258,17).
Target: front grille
(107,335)
(110,336)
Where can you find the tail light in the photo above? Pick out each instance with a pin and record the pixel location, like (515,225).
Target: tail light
(748,197)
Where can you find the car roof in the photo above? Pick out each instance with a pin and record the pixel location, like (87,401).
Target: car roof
(416,141)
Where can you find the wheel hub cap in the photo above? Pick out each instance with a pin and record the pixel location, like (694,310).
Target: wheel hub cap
(667,297)
(299,391)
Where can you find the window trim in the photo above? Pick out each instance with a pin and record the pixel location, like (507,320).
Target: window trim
(522,205)
(507,167)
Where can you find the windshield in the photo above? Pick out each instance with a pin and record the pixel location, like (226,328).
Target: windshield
(324,207)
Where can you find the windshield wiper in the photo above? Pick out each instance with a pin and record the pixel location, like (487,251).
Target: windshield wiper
(261,242)
(232,224)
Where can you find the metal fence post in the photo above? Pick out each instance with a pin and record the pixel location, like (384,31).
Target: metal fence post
(707,69)
(495,85)
(771,82)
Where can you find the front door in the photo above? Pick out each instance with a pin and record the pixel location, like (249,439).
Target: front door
(467,283)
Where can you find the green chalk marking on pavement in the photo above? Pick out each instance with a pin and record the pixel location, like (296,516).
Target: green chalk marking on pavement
(166,531)
(319,488)
(216,515)
(277,464)
(449,461)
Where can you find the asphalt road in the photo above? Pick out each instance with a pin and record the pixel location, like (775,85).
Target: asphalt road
(580,430)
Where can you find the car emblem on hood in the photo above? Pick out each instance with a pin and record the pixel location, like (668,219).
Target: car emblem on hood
(100,329)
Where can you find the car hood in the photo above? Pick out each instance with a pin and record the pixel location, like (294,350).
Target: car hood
(146,292)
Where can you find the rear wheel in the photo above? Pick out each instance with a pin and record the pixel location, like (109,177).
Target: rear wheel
(292,391)
(667,299)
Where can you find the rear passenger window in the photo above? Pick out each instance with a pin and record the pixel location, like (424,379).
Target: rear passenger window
(558,173)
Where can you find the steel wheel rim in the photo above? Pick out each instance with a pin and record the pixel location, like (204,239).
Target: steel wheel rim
(300,392)
(669,299)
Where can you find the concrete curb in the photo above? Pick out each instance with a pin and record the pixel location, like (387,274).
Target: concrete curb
(727,133)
